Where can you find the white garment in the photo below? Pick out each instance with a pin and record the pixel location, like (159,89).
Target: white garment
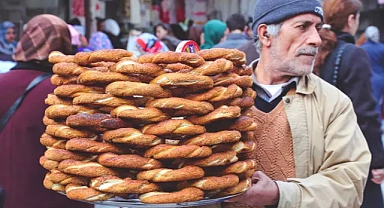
(111,26)
(5,66)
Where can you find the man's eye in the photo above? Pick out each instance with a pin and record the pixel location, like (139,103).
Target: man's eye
(302,27)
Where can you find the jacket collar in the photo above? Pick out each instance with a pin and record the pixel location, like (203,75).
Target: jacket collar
(306,84)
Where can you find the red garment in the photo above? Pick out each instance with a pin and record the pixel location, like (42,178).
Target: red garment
(20,172)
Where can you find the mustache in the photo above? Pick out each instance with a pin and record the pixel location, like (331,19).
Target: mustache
(311,51)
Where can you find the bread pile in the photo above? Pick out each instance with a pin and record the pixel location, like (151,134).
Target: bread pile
(166,128)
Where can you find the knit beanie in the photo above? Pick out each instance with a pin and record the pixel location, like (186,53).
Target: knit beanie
(276,11)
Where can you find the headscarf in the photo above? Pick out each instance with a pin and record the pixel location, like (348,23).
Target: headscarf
(372,33)
(98,41)
(44,33)
(75,36)
(112,27)
(148,43)
(6,47)
(213,32)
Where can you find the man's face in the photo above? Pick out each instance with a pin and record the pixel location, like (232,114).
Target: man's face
(10,35)
(295,47)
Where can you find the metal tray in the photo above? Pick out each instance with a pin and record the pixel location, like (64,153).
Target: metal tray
(134,203)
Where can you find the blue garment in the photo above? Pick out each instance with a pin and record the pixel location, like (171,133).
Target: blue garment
(5,47)
(233,40)
(375,53)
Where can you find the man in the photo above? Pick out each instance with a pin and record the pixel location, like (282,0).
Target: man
(311,152)
(237,26)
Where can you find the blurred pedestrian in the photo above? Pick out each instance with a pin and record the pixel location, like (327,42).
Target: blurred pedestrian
(165,34)
(250,51)
(213,33)
(21,175)
(375,51)
(346,66)
(236,29)
(148,43)
(112,30)
(99,40)
(7,40)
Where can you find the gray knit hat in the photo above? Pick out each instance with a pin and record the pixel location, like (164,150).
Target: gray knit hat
(276,11)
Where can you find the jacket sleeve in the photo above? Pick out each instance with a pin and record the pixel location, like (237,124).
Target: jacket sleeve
(341,178)
(355,82)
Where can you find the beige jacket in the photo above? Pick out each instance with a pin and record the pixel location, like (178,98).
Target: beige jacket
(331,155)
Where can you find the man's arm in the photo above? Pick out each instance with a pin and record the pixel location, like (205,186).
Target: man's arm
(341,179)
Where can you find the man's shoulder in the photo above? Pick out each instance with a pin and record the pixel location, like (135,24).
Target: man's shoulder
(325,92)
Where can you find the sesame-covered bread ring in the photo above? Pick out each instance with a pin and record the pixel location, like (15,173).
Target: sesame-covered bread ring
(167,151)
(48,184)
(116,185)
(64,179)
(244,123)
(128,161)
(211,68)
(48,121)
(185,195)
(216,159)
(223,112)
(173,127)
(106,55)
(75,90)
(102,100)
(90,146)
(208,139)
(68,69)
(217,94)
(181,104)
(240,167)
(234,55)
(242,102)
(171,175)
(86,120)
(62,154)
(239,147)
(103,78)
(67,132)
(87,169)
(211,182)
(242,70)
(178,67)
(128,89)
(63,111)
(131,67)
(183,80)
(84,193)
(48,164)
(247,174)
(54,100)
(58,80)
(50,141)
(131,137)
(249,92)
(241,187)
(57,57)
(190,59)
(228,79)
(141,114)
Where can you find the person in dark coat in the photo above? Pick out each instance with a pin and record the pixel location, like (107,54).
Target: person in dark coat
(375,51)
(352,76)
(21,175)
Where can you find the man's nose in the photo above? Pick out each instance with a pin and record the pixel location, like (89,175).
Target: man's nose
(314,38)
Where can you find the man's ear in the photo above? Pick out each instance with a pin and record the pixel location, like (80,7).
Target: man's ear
(263,35)
(351,20)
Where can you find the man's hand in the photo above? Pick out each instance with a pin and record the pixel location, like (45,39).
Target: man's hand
(264,191)
(378,176)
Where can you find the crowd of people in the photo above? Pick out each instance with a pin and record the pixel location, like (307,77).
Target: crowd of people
(327,124)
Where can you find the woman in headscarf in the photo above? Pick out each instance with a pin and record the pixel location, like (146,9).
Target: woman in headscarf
(148,43)
(99,40)
(165,34)
(346,66)
(213,33)
(20,172)
(112,30)
(7,40)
